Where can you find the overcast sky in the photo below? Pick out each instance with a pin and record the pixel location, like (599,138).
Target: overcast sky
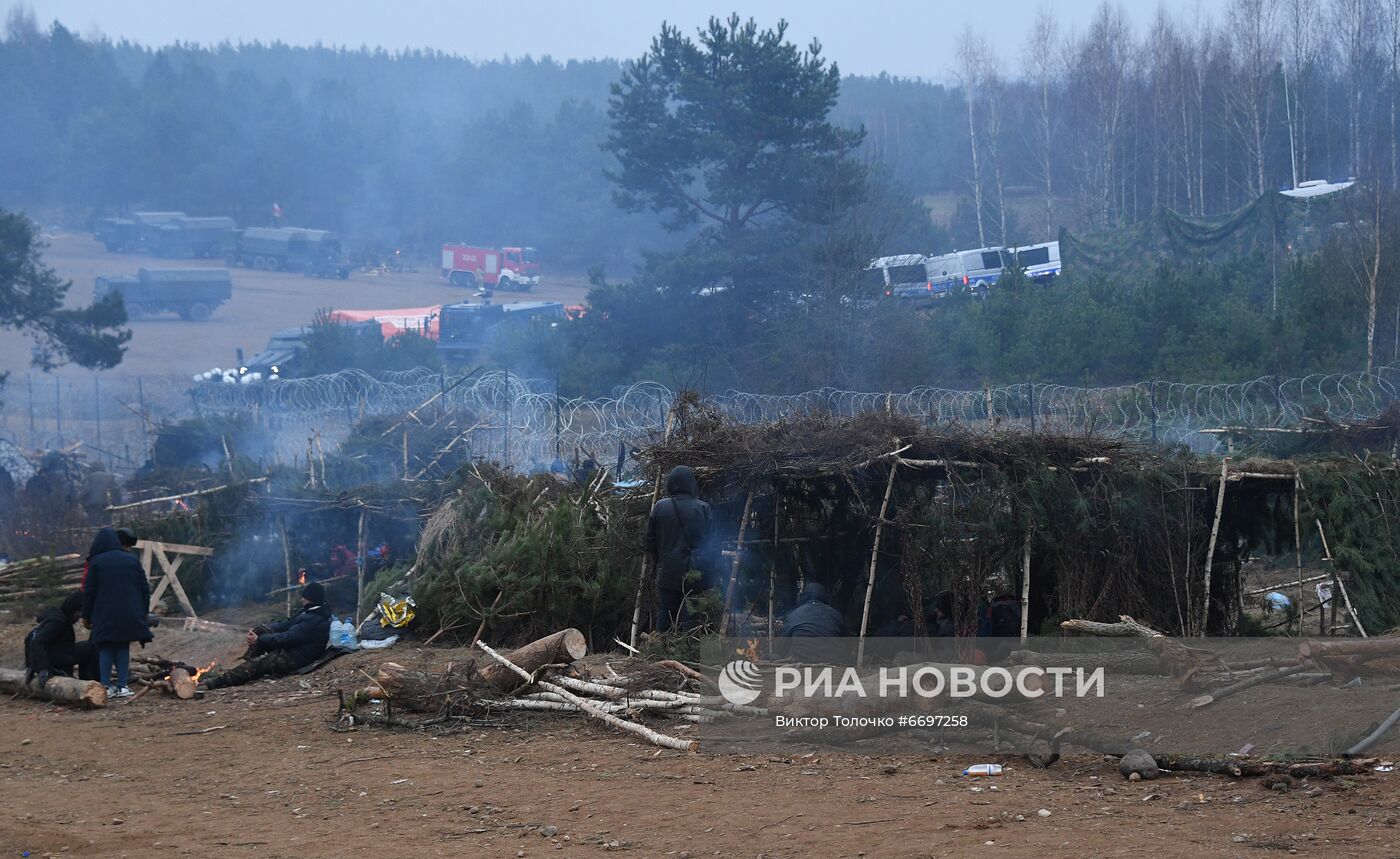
(913,38)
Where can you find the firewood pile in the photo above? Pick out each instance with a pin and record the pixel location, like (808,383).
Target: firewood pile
(41,578)
(544,676)
(173,678)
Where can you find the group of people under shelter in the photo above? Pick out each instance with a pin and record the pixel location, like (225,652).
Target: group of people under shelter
(679,542)
(113,606)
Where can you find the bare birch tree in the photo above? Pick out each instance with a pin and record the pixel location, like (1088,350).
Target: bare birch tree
(972,66)
(1042,67)
(1254,43)
(1354,26)
(1302,28)
(1099,86)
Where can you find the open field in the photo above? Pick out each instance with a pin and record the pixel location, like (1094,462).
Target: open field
(263,302)
(278,782)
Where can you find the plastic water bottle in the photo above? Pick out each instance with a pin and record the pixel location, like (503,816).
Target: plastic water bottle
(337,631)
(348,638)
(983,769)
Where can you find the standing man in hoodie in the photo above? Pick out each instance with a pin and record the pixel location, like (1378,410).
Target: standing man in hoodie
(281,648)
(677,541)
(116,602)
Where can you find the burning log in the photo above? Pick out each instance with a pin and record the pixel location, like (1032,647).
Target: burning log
(60,690)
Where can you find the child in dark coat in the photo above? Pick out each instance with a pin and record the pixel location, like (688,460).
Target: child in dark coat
(116,599)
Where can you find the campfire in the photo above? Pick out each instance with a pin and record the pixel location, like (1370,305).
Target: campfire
(172,678)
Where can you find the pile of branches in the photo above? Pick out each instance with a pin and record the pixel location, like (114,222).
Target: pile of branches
(545,677)
(41,579)
(521,555)
(729,455)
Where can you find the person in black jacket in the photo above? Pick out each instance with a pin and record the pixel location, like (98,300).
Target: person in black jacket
(280,648)
(116,599)
(52,650)
(678,534)
(812,628)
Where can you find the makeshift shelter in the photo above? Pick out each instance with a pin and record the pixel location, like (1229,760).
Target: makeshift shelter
(893,515)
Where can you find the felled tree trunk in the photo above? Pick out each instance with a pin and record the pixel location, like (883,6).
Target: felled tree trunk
(60,690)
(1122,663)
(1352,657)
(562,647)
(1184,662)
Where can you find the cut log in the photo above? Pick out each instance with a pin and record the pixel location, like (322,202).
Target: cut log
(564,646)
(1126,627)
(60,690)
(1349,658)
(1368,647)
(591,708)
(181,684)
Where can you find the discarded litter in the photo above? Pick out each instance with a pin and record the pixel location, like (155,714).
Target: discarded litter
(983,769)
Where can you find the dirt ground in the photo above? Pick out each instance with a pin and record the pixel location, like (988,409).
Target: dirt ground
(276,781)
(263,302)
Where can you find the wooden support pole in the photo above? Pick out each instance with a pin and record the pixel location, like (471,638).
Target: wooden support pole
(874,559)
(773,568)
(134,504)
(1026,589)
(647,560)
(1337,579)
(286,560)
(1298,544)
(734,566)
(1210,549)
(360,563)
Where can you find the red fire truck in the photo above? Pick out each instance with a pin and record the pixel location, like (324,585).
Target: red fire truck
(496,268)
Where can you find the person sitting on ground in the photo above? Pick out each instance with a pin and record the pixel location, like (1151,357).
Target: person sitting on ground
(52,650)
(810,629)
(116,605)
(281,648)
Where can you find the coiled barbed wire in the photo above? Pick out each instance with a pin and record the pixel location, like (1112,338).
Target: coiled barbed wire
(523,421)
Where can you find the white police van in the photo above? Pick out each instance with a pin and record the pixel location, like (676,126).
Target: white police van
(902,275)
(1039,262)
(976,269)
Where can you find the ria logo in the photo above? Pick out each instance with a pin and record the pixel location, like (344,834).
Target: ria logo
(741,682)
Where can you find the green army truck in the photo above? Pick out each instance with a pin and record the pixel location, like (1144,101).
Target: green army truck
(192,293)
(315,253)
(126,235)
(189,238)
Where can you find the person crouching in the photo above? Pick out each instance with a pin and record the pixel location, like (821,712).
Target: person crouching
(52,650)
(284,647)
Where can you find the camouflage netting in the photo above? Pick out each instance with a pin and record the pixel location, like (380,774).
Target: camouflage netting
(1272,224)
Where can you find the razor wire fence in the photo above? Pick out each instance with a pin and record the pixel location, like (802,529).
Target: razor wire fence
(521,422)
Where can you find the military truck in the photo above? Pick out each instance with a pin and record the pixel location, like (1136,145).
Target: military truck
(185,238)
(193,293)
(465,330)
(315,253)
(125,235)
